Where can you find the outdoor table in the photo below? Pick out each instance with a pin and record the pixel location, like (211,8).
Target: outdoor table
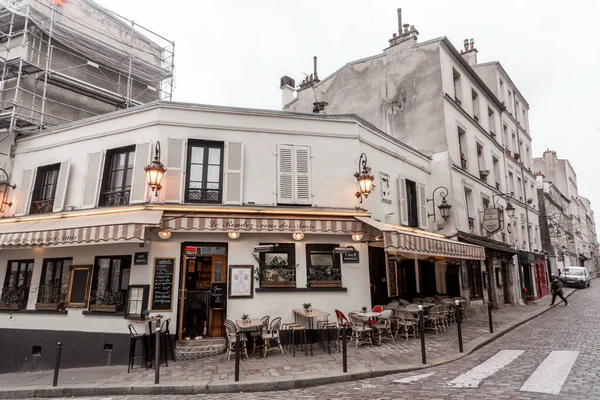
(414,307)
(250,325)
(369,315)
(149,321)
(310,314)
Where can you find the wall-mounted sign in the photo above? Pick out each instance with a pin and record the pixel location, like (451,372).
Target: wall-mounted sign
(241,281)
(140,258)
(190,252)
(257,226)
(392,278)
(386,191)
(162,284)
(491,220)
(350,258)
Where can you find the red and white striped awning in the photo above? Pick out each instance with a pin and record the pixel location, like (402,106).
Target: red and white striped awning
(97,229)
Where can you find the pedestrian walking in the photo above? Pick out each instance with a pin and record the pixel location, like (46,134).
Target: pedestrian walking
(557,290)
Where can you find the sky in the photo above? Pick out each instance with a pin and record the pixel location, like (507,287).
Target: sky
(233,52)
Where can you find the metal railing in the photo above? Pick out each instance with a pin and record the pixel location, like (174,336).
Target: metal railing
(41,206)
(116,198)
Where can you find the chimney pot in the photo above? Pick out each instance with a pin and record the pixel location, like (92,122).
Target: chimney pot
(466,44)
(394,34)
(400,21)
(406,27)
(472,44)
(412,27)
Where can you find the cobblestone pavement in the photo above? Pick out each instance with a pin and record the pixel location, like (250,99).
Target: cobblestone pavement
(575,328)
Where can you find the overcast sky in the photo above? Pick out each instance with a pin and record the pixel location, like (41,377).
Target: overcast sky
(234,52)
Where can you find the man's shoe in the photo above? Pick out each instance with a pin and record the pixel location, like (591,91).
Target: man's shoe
(566,305)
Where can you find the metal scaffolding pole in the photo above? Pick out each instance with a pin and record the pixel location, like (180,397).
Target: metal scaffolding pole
(46,72)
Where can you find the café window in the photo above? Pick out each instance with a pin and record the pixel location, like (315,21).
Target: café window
(109,283)
(475,281)
(204,172)
(117,176)
(54,281)
(323,267)
(137,300)
(44,191)
(277,268)
(17,281)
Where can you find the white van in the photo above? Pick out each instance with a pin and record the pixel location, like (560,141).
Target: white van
(576,276)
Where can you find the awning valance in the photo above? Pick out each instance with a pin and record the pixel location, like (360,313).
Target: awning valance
(73,230)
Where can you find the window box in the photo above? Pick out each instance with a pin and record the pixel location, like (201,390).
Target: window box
(281,284)
(325,284)
(108,308)
(12,306)
(49,306)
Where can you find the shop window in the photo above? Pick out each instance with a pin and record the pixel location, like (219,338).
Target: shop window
(44,191)
(323,266)
(475,281)
(109,283)
(54,281)
(17,281)
(137,300)
(277,268)
(204,172)
(117,177)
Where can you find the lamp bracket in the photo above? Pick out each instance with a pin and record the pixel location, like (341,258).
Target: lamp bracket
(443,195)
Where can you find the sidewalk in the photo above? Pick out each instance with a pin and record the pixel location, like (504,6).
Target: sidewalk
(276,371)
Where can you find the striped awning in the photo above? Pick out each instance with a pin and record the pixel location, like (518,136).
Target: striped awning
(97,229)
(405,242)
(239,224)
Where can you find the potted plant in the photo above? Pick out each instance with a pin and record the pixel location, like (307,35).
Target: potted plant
(277,273)
(324,276)
(517,155)
(106,301)
(307,306)
(14,298)
(364,309)
(245,317)
(51,297)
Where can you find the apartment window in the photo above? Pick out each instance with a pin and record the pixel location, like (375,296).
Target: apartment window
(491,122)
(524,118)
(457,86)
(475,280)
(510,102)
(497,175)
(109,282)
(523,237)
(462,146)
(483,172)
(520,188)
(475,101)
(520,150)
(54,280)
(323,266)
(293,175)
(526,159)
(16,284)
(44,191)
(505,136)
(470,209)
(485,201)
(204,180)
(517,108)
(501,90)
(117,176)
(511,183)
(278,267)
(536,235)
(514,142)
(412,204)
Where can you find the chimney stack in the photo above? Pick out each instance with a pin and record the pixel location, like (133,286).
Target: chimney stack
(470,52)
(287,85)
(405,32)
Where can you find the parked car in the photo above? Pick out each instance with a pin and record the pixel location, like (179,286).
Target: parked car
(576,276)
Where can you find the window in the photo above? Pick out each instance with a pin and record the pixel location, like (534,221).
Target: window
(462,146)
(277,268)
(505,136)
(110,281)
(501,90)
(511,183)
(497,175)
(117,176)
(470,209)
(491,122)
(137,300)
(483,172)
(457,84)
(510,102)
(323,266)
(44,191)
(54,280)
(536,235)
(204,179)
(475,281)
(524,119)
(520,188)
(513,143)
(293,175)
(475,101)
(526,159)
(16,284)
(412,205)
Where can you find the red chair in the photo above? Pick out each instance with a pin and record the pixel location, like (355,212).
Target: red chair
(342,320)
(377,309)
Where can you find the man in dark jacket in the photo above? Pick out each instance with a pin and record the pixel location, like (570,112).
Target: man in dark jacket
(557,290)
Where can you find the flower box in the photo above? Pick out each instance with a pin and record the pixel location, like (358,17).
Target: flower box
(325,284)
(48,306)
(277,284)
(12,306)
(108,308)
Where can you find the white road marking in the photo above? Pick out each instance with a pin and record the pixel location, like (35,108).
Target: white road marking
(552,373)
(414,378)
(473,377)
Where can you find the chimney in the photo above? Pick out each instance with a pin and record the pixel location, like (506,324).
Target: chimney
(406,33)
(316,77)
(287,85)
(399,22)
(470,52)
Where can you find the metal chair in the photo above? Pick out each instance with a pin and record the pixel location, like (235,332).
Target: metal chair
(407,321)
(231,335)
(257,334)
(272,335)
(166,338)
(134,338)
(360,331)
(384,325)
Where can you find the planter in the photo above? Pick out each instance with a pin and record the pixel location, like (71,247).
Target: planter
(277,284)
(108,308)
(47,306)
(325,284)
(13,306)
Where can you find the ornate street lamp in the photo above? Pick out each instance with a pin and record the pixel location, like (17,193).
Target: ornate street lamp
(510,210)
(3,202)
(444,207)
(155,171)
(364,178)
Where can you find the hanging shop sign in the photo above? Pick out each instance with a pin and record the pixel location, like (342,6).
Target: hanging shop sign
(491,220)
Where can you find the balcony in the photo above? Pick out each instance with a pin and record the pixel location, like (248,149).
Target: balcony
(471,223)
(41,206)
(463,163)
(116,198)
(484,174)
(211,196)
(497,185)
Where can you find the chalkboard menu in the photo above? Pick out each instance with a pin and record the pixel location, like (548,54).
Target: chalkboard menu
(392,279)
(79,283)
(162,284)
(218,295)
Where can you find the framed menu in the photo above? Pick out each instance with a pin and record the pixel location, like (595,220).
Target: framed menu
(241,281)
(392,278)
(162,284)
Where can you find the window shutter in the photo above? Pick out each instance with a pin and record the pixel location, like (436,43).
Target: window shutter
(61,186)
(422,205)
(25,189)
(174,175)
(92,180)
(139,185)
(234,187)
(285,174)
(302,182)
(402,199)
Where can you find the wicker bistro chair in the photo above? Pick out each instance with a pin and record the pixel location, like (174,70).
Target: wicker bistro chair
(436,319)
(384,326)
(361,332)
(272,336)
(256,335)
(230,332)
(407,322)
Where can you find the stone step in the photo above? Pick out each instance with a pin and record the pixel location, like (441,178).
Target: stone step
(196,349)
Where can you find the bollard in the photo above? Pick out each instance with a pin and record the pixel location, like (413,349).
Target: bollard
(157,351)
(458,322)
(237,357)
(344,351)
(422,333)
(57,363)
(490,317)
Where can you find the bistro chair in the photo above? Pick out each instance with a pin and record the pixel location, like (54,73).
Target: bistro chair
(361,332)
(256,335)
(134,338)
(272,336)
(384,326)
(166,338)
(436,319)
(230,332)
(407,322)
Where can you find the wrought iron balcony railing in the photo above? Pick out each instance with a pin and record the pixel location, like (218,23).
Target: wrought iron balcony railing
(41,206)
(116,198)
(204,195)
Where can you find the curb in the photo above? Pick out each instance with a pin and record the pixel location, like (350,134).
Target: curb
(281,383)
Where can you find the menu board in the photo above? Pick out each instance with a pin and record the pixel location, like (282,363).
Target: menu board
(162,284)
(218,297)
(392,278)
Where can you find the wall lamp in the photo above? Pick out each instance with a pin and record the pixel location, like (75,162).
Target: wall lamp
(5,194)
(444,207)
(344,250)
(510,209)
(155,171)
(264,248)
(364,178)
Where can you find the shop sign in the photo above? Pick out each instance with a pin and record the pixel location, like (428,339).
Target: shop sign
(350,258)
(491,220)
(249,226)
(190,252)
(526,258)
(140,258)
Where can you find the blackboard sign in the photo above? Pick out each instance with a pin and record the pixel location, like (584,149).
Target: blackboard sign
(348,258)
(218,295)
(79,282)
(392,279)
(162,284)
(140,258)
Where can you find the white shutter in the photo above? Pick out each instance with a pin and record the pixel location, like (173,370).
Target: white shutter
(91,180)
(139,185)
(402,199)
(234,177)
(24,190)
(61,186)
(422,205)
(285,174)
(174,176)
(302,175)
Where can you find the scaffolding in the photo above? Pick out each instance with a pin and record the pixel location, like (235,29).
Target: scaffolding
(64,61)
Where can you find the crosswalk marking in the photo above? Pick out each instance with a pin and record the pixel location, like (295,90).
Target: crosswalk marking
(473,377)
(552,373)
(413,378)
